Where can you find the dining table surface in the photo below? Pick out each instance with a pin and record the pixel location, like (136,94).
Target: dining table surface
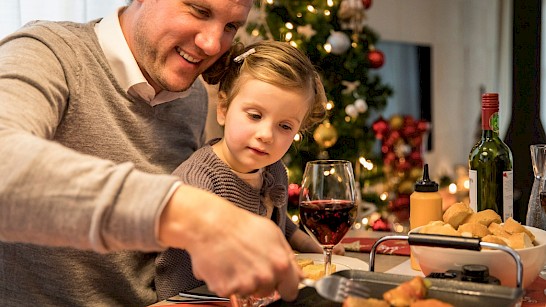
(395,259)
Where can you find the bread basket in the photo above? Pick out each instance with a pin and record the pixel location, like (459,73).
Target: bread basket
(434,259)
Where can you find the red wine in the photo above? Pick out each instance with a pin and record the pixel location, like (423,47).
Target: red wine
(327,220)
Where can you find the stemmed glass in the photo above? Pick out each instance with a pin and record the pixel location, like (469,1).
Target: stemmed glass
(327,203)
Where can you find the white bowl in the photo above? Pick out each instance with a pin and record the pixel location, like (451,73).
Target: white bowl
(500,263)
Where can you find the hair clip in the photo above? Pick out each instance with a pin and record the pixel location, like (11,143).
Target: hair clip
(241,57)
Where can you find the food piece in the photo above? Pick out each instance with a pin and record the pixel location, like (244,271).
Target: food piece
(520,240)
(407,292)
(476,230)
(456,214)
(430,302)
(512,226)
(353,301)
(316,271)
(304,262)
(495,239)
(440,229)
(497,230)
(431,225)
(485,217)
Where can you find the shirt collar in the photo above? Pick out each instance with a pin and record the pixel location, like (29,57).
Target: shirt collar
(123,64)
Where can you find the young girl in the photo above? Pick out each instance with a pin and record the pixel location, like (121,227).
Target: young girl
(268,92)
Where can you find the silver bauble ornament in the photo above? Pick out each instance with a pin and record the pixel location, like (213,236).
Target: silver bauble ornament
(339,42)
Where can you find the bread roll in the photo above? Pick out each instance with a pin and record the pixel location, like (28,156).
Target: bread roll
(485,217)
(498,230)
(475,230)
(520,240)
(495,239)
(440,229)
(456,214)
(512,226)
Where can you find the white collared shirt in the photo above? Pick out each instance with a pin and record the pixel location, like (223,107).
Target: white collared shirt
(124,65)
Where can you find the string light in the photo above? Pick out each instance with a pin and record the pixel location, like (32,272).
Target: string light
(288,36)
(311,9)
(294,44)
(289,25)
(330,3)
(295,218)
(452,188)
(328,47)
(366,163)
(297,137)
(329,105)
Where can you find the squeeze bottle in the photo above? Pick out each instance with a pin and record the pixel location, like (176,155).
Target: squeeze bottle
(425,206)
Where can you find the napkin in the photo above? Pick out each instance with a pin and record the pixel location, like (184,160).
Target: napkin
(364,245)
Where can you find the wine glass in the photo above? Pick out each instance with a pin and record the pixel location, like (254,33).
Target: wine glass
(327,203)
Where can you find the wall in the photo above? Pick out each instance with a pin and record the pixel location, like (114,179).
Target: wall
(469,41)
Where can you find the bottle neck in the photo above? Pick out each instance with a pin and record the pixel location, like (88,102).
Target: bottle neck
(490,120)
(489,134)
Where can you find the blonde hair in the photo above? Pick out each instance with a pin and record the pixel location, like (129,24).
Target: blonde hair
(273,62)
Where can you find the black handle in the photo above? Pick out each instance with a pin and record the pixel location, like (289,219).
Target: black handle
(424,239)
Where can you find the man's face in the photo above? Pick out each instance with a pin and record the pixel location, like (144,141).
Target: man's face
(174,41)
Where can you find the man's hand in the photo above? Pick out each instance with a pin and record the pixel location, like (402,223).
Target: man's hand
(232,250)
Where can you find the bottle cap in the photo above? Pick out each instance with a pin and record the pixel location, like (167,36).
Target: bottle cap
(426,185)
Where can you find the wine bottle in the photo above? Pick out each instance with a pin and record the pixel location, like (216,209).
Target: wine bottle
(490,165)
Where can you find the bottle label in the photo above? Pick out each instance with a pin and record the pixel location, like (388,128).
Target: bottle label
(473,189)
(490,120)
(507,194)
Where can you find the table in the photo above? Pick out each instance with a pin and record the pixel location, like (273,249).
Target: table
(383,262)
(399,264)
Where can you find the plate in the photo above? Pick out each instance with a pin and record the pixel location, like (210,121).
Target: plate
(342,262)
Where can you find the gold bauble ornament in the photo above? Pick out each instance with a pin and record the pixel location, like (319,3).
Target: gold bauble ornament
(406,187)
(325,135)
(396,122)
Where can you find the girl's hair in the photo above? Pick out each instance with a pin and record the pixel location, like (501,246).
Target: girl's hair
(273,62)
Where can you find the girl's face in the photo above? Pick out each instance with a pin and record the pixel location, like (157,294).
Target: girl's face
(259,125)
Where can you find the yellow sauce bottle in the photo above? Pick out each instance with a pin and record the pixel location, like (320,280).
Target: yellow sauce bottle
(425,206)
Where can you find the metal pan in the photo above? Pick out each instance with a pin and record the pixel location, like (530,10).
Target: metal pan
(457,293)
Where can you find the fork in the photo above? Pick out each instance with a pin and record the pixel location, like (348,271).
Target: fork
(337,288)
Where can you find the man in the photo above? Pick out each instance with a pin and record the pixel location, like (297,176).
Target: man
(92,117)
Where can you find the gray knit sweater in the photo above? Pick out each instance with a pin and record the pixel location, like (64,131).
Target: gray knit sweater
(82,165)
(205,170)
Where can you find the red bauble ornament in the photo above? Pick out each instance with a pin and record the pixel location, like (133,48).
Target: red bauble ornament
(422,125)
(381,224)
(416,157)
(294,193)
(376,58)
(409,130)
(380,127)
(367,4)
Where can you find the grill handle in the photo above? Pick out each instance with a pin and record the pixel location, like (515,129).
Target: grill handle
(475,244)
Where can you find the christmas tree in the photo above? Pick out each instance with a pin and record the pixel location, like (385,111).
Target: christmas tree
(335,36)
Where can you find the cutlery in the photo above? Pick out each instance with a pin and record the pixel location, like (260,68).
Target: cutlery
(337,288)
(188,297)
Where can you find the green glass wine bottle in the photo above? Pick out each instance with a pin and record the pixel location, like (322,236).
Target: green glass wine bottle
(490,165)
